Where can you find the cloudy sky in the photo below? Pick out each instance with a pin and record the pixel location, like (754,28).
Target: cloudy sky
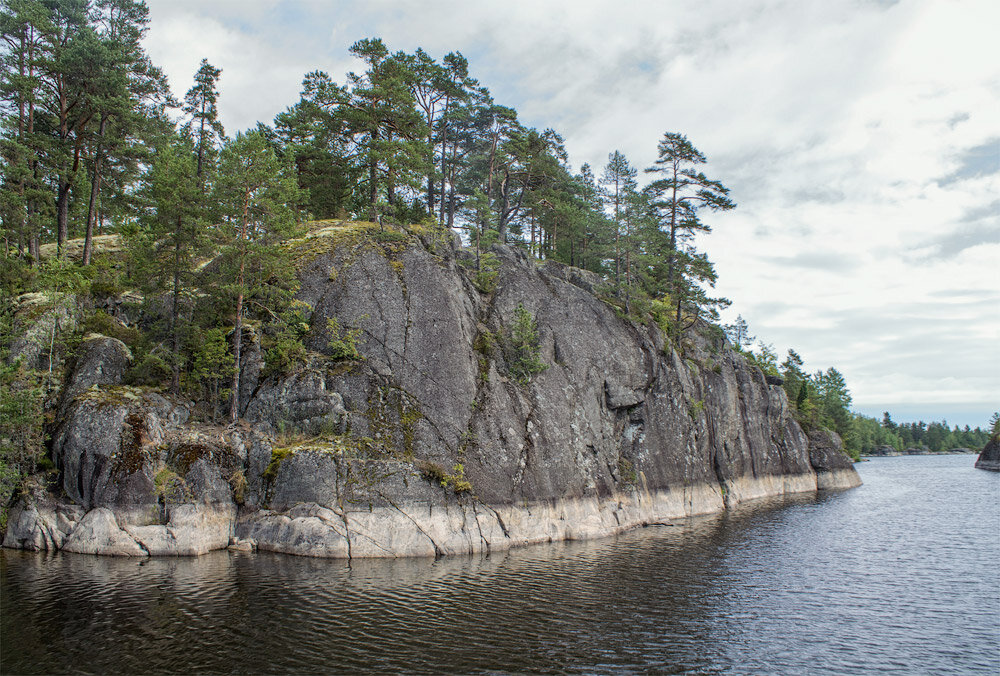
(860,138)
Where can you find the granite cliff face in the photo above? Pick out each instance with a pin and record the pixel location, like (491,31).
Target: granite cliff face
(427,445)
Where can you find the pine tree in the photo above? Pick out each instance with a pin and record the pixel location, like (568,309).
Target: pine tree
(177,235)
(388,133)
(312,134)
(259,196)
(618,180)
(201,107)
(127,94)
(679,196)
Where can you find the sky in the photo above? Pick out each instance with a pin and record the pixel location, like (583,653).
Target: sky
(859,138)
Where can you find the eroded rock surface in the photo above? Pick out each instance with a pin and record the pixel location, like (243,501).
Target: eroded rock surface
(427,444)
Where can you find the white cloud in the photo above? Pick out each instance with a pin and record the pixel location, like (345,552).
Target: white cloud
(842,129)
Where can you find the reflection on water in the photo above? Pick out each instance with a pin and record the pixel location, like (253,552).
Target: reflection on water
(899,574)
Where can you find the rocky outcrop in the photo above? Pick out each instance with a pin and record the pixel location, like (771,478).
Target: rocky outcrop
(989,458)
(39,320)
(100,361)
(432,442)
(833,468)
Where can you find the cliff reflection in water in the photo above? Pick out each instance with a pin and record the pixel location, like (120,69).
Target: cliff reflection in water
(548,605)
(886,576)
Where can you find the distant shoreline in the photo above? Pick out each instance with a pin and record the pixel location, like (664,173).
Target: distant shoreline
(918,451)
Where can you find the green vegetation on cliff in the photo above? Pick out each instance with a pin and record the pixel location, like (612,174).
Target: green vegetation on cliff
(823,400)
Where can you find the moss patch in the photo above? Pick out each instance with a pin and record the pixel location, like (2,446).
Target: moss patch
(392,418)
(327,237)
(435,473)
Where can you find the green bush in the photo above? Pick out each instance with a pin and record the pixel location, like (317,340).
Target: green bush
(343,344)
(521,347)
(488,273)
(435,473)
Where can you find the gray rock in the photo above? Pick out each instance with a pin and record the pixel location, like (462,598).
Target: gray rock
(99,533)
(428,444)
(834,469)
(192,529)
(38,522)
(38,319)
(100,361)
(299,401)
(826,451)
(989,458)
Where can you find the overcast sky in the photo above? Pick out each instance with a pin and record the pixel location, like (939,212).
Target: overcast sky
(860,139)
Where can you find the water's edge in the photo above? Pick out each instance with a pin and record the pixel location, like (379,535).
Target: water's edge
(410,529)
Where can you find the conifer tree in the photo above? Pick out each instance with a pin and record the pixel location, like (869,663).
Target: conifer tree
(201,107)
(126,92)
(177,234)
(618,180)
(679,195)
(259,196)
(388,133)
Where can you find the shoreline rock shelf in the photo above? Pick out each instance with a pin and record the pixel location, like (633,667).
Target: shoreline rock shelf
(430,444)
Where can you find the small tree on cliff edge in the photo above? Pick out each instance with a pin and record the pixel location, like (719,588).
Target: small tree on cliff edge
(678,196)
(258,195)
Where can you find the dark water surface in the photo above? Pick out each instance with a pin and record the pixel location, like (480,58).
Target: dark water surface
(899,575)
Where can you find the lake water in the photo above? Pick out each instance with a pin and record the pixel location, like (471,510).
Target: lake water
(899,575)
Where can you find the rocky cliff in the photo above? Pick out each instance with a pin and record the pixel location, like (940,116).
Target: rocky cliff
(432,442)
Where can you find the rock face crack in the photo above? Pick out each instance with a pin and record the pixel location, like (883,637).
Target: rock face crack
(496,515)
(437,549)
(482,537)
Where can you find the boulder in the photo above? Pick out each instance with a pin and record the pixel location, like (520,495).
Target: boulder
(834,469)
(100,360)
(989,457)
(99,533)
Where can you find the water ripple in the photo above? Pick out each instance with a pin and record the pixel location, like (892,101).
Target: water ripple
(897,576)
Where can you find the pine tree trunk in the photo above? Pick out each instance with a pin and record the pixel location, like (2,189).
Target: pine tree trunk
(62,217)
(201,141)
(444,155)
(175,336)
(95,189)
(234,399)
(234,402)
(372,191)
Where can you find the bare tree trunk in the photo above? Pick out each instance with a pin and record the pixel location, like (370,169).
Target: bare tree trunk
(372,191)
(234,399)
